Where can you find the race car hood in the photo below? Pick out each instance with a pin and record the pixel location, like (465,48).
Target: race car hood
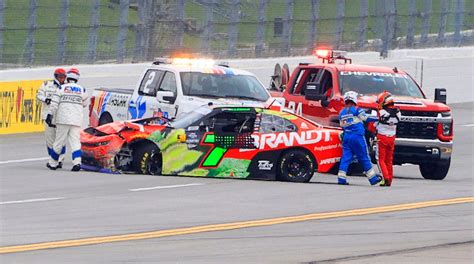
(405,103)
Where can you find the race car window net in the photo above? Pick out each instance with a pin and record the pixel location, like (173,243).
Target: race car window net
(274,124)
(223,86)
(375,83)
(150,82)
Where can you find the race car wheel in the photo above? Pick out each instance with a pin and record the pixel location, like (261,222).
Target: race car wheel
(147,159)
(105,118)
(296,166)
(435,171)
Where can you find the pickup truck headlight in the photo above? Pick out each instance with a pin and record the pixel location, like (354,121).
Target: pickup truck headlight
(446,127)
(446,114)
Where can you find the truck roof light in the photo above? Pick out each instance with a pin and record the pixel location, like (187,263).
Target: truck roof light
(330,56)
(185,62)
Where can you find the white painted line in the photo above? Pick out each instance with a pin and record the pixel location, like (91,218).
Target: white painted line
(32,200)
(469,125)
(165,187)
(23,160)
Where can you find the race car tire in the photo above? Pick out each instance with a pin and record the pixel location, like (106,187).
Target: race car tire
(105,118)
(295,166)
(147,159)
(435,171)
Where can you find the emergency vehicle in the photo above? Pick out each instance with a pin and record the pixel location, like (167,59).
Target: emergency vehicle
(171,87)
(315,90)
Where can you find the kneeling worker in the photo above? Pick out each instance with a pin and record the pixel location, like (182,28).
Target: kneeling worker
(352,121)
(67,106)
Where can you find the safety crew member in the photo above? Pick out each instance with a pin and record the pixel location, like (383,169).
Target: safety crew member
(352,120)
(389,116)
(67,107)
(44,95)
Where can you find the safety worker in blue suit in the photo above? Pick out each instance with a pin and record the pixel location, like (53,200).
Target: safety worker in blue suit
(352,119)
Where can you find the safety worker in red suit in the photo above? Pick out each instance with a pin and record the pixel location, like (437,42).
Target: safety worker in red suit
(45,95)
(67,107)
(386,128)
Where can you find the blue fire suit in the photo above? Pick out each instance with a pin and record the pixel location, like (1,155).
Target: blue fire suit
(353,143)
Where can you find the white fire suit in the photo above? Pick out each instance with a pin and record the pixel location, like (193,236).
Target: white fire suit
(45,95)
(67,107)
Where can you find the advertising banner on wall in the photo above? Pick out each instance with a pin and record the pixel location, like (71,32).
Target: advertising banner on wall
(19,110)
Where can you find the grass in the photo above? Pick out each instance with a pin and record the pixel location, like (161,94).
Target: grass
(16,16)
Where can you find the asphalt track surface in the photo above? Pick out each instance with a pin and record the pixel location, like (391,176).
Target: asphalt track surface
(153,219)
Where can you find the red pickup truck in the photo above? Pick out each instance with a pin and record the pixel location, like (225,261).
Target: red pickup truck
(315,90)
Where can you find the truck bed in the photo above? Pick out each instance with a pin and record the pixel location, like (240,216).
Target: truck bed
(115,90)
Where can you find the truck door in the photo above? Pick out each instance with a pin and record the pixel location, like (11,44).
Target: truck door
(295,97)
(143,102)
(166,96)
(322,111)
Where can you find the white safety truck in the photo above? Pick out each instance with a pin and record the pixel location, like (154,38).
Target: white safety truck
(173,87)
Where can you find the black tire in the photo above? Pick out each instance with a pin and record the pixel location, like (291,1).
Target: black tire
(435,171)
(147,159)
(296,166)
(105,118)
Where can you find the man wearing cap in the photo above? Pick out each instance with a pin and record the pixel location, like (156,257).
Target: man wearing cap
(44,95)
(67,107)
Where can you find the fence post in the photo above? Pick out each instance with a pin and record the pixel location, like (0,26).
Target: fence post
(339,22)
(123,28)
(427,5)
(442,21)
(208,25)
(364,14)
(92,43)
(411,23)
(287,27)
(389,15)
(262,7)
(2,11)
(140,28)
(179,22)
(314,20)
(233,27)
(458,22)
(62,32)
(30,40)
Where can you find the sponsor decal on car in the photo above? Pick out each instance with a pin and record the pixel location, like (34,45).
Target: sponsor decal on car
(265,165)
(291,138)
(329,161)
(323,148)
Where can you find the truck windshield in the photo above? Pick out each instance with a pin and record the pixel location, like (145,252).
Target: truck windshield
(377,82)
(223,86)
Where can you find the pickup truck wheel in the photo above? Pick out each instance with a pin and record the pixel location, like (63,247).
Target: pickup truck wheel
(147,159)
(435,171)
(295,166)
(105,118)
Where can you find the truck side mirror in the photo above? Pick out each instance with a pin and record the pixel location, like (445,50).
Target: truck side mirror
(165,97)
(441,95)
(312,92)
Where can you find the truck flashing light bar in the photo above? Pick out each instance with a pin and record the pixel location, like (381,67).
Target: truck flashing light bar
(330,56)
(191,62)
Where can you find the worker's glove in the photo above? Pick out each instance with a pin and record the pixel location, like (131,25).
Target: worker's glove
(341,136)
(49,120)
(47,101)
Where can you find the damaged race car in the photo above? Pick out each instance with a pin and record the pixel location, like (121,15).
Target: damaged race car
(233,142)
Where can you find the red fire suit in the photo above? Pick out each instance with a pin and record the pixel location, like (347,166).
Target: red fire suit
(386,131)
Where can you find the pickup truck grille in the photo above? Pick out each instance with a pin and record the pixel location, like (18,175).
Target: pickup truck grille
(417,130)
(418,113)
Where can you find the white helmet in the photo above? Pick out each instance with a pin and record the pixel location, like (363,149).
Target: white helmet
(74,74)
(351,96)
